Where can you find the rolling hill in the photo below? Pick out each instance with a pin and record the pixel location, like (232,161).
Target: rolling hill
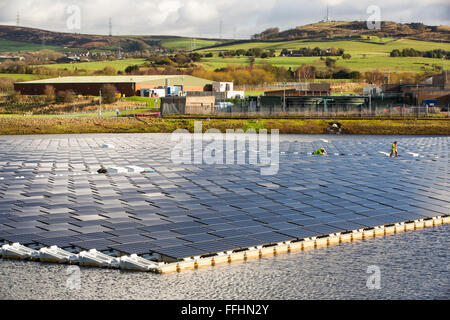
(15,39)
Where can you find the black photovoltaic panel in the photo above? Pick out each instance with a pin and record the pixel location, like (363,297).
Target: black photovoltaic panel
(281,225)
(99,244)
(124,232)
(160,235)
(93,236)
(257,229)
(143,247)
(22,238)
(169,242)
(229,233)
(200,237)
(298,233)
(129,239)
(222,226)
(246,223)
(158,227)
(271,237)
(322,229)
(191,230)
(61,242)
(345,225)
(213,246)
(405,216)
(179,252)
(243,242)
(304,221)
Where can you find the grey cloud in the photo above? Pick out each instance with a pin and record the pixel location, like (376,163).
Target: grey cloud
(202,17)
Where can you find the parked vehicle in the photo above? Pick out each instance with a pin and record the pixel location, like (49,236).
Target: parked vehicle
(429,103)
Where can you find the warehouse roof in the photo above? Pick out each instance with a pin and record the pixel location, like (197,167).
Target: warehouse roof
(156,80)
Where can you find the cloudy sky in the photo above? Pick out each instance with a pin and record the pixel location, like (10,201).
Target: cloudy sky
(205,18)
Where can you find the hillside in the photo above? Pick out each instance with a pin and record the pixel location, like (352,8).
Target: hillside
(21,38)
(346,29)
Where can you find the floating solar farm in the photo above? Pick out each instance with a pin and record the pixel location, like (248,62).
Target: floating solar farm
(149,213)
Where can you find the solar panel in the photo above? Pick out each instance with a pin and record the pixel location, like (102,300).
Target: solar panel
(134,247)
(61,242)
(271,237)
(170,206)
(321,229)
(99,244)
(243,241)
(229,233)
(191,230)
(129,239)
(200,237)
(213,246)
(298,233)
(22,238)
(179,252)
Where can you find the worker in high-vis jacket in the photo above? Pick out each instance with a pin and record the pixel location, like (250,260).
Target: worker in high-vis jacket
(320,152)
(394,151)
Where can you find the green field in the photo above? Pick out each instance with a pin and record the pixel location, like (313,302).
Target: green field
(369,63)
(354,47)
(153,103)
(17,46)
(97,65)
(185,43)
(365,56)
(20,76)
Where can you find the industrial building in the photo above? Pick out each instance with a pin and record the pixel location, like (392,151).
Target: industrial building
(125,85)
(187,105)
(436,87)
(303,89)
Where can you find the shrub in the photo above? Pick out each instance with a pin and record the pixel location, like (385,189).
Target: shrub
(330,63)
(49,93)
(67,96)
(6,84)
(109,93)
(14,97)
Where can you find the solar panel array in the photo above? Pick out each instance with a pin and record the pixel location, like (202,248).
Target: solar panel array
(50,193)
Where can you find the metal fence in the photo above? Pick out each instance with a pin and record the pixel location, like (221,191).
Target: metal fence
(246,109)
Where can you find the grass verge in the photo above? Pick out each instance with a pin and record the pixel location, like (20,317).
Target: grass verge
(60,125)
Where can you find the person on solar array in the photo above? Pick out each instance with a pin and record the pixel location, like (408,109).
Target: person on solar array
(320,151)
(394,150)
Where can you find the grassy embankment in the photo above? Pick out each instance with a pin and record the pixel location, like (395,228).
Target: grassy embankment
(15,124)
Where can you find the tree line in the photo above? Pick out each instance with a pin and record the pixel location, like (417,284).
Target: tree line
(411,52)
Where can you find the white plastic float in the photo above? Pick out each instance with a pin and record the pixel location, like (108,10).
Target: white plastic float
(97,259)
(413,154)
(107,146)
(55,254)
(134,169)
(16,251)
(116,170)
(134,262)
